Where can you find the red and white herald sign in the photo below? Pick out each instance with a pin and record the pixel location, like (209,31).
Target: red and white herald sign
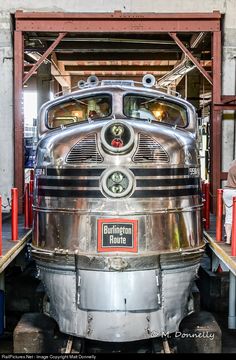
(117,235)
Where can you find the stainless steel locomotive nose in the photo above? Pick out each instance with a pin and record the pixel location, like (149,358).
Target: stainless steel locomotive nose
(117,231)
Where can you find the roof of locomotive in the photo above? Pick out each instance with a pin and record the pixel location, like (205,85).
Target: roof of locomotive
(119,87)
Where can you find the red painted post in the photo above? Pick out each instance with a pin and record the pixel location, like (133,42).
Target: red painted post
(219,214)
(207,205)
(31,189)
(0,225)
(26,205)
(14,214)
(233,236)
(31,174)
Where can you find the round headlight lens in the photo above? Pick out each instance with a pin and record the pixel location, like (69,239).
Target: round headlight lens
(117,189)
(117,137)
(117,130)
(117,183)
(117,177)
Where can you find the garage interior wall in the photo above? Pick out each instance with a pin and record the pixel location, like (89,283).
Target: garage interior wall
(224,102)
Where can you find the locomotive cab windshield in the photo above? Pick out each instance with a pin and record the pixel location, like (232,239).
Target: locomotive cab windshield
(76,110)
(140,107)
(135,106)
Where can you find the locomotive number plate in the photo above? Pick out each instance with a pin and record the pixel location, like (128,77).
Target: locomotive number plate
(193,172)
(117,235)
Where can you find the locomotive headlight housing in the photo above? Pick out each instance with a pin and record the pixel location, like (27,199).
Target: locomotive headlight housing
(117,182)
(117,137)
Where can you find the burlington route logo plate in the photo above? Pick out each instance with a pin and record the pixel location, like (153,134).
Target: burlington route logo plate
(117,235)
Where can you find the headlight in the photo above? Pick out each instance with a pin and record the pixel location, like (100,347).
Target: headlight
(117,182)
(117,130)
(117,137)
(117,177)
(116,189)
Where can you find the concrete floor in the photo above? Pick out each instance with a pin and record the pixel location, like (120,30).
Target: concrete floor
(6,344)
(228,336)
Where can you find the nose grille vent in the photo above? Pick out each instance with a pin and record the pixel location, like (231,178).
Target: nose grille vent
(85,151)
(149,150)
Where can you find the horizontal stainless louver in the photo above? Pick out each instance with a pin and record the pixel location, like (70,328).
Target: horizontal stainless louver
(85,151)
(149,150)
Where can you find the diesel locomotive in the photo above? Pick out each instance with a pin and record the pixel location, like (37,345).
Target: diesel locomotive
(117,229)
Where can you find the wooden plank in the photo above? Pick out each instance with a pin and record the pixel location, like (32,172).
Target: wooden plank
(222,251)
(14,249)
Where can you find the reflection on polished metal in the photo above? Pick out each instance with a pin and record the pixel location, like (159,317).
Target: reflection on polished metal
(117,233)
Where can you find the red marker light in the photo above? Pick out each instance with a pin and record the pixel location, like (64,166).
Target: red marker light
(117,143)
